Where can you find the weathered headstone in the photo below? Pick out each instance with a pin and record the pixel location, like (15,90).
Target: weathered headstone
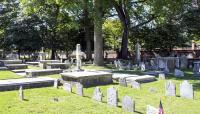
(21,93)
(97,95)
(178,73)
(79,89)
(135,85)
(122,82)
(170,88)
(67,87)
(112,96)
(161,76)
(78,57)
(2,64)
(196,69)
(56,83)
(186,90)
(151,110)
(142,66)
(128,104)
(138,53)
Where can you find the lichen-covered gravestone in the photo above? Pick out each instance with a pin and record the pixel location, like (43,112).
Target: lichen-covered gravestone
(112,96)
(128,104)
(97,95)
(152,110)
(56,83)
(21,93)
(79,89)
(67,87)
(135,85)
(161,76)
(122,82)
(186,90)
(170,88)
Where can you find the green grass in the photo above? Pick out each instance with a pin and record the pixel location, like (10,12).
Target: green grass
(8,75)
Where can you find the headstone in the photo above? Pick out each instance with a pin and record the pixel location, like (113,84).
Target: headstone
(178,73)
(186,90)
(67,87)
(97,95)
(161,76)
(112,96)
(135,85)
(161,64)
(79,89)
(142,66)
(170,89)
(78,57)
(138,54)
(122,82)
(2,64)
(128,104)
(21,93)
(56,83)
(196,69)
(152,110)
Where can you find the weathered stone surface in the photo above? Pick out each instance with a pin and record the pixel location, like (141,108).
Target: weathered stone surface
(79,89)
(128,104)
(35,73)
(142,67)
(67,87)
(151,110)
(143,78)
(135,85)
(17,66)
(57,66)
(122,82)
(178,73)
(162,76)
(170,89)
(2,64)
(97,95)
(186,90)
(21,93)
(112,96)
(56,83)
(196,69)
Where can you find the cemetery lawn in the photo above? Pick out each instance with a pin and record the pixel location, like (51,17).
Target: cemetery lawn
(8,75)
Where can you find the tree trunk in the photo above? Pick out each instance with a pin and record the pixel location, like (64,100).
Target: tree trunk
(98,39)
(53,54)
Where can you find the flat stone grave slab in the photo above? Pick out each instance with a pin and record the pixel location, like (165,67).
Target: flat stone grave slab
(88,78)
(153,72)
(32,63)
(57,65)
(43,63)
(116,76)
(141,79)
(19,70)
(3,68)
(17,66)
(34,73)
(14,84)
(12,61)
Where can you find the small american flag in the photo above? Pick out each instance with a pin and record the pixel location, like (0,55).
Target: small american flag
(160,111)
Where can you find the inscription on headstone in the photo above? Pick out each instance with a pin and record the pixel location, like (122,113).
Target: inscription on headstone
(97,95)
(135,85)
(112,96)
(21,93)
(67,87)
(170,88)
(122,82)
(128,104)
(79,89)
(186,90)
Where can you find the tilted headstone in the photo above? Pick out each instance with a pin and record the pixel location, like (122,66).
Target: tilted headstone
(152,110)
(122,82)
(97,95)
(161,76)
(178,73)
(56,83)
(21,93)
(128,104)
(135,85)
(170,88)
(112,96)
(79,89)
(67,87)
(186,90)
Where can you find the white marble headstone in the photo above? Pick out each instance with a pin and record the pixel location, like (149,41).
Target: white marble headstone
(186,90)
(97,95)
(128,104)
(170,88)
(112,96)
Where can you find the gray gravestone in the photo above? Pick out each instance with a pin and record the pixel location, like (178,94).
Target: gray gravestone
(178,73)
(128,104)
(2,64)
(56,83)
(170,89)
(162,76)
(186,90)
(142,66)
(122,82)
(152,110)
(78,57)
(97,95)
(112,96)
(138,53)
(21,93)
(135,85)
(67,87)
(79,89)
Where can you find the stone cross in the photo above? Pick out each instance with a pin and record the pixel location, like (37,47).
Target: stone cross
(97,95)
(151,110)
(67,87)
(79,89)
(122,82)
(186,90)
(21,93)
(135,85)
(161,76)
(112,96)
(170,89)
(56,83)
(128,104)
(78,56)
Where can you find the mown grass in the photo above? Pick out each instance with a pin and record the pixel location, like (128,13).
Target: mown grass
(8,75)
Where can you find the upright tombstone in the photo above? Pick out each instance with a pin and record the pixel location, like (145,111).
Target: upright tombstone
(142,66)
(128,104)
(186,90)
(196,69)
(135,85)
(56,83)
(138,54)
(21,93)
(122,82)
(2,64)
(79,89)
(152,110)
(112,96)
(170,88)
(178,73)
(78,57)
(97,95)
(161,76)
(42,54)
(67,87)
